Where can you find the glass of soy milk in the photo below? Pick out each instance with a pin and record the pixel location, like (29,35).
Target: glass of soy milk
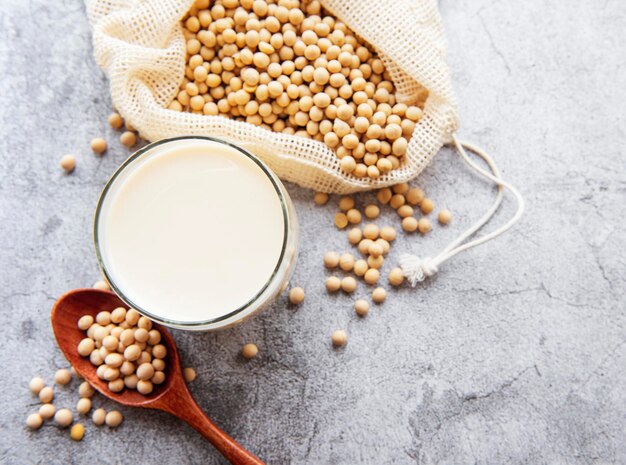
(196,233)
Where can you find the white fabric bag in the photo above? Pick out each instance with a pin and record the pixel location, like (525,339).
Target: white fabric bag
(140,46)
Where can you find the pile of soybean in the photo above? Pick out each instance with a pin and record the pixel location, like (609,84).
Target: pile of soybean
(64,417)
(374,242)
(127,352)
(291,67)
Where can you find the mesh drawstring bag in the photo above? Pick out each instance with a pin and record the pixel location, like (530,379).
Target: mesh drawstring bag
(140,46)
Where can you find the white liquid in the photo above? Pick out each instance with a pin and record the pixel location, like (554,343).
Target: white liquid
(191,231)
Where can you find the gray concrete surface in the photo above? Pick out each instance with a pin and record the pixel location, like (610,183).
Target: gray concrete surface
(514,353)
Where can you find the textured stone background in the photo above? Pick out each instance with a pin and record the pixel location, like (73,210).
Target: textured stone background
(515,353)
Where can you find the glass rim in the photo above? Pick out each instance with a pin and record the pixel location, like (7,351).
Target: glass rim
(202,324)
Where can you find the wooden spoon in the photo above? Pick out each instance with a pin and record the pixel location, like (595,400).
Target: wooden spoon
(172,396)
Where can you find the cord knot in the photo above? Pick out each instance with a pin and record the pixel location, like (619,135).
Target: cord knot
(416,269)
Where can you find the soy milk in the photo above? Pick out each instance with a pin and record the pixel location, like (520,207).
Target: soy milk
(191,230)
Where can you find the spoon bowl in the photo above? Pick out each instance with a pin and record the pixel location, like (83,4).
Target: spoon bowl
(172,396)
(75,304)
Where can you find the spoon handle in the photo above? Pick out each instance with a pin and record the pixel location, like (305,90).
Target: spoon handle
(190,412)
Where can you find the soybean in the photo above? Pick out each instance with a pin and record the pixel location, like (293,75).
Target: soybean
(77,432)
(34,421)
(113,419)
(249,351)
(396,277)
(36,385)
(361,307)
(189,374)
(296,295)
(339,338)
(379,295)
(98,145)
(63,417)
(68,163)
(444,216)
(331,259)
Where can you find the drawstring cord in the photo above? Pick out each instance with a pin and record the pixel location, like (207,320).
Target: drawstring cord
(416,269)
